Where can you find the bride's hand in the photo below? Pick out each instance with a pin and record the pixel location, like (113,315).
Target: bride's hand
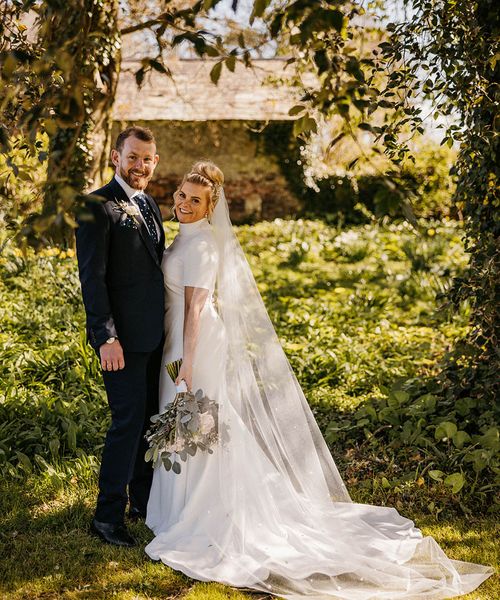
(186,374)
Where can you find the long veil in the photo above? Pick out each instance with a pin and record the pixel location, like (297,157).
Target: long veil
(260,381)
(286,523)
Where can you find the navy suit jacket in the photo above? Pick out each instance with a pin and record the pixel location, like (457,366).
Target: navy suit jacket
(120,271)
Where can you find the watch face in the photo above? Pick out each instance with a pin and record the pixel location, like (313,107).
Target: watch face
(110,340)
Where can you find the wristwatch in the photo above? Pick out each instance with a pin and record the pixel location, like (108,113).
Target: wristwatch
(111,340)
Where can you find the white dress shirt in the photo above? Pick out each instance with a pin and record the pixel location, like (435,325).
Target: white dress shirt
(131,192)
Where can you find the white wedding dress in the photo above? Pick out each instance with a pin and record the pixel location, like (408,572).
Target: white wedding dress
(268,510)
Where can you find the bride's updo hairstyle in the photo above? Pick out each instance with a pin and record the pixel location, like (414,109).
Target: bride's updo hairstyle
(207,174)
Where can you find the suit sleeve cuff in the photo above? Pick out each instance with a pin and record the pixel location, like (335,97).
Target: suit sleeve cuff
(98,338)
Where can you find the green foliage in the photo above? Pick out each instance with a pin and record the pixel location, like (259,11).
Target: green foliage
(426,182)
(426,435)
(20,176)
(49,85)
(52,405)
(429,181)
(356,312)
(382,94)
(459,80)
(59,82)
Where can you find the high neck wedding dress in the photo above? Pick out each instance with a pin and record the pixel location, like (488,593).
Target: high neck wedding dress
(268,509)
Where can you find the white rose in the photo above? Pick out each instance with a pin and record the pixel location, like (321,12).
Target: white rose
(206,423)
(131,210)
(179,445)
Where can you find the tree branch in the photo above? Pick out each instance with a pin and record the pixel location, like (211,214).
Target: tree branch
(140,26)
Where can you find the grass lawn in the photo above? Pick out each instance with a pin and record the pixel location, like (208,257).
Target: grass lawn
(354,309)
(47,551)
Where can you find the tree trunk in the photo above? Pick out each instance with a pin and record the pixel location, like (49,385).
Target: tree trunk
(99,137)
(84,39)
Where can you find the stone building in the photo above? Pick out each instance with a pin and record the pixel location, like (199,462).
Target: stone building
(192,118)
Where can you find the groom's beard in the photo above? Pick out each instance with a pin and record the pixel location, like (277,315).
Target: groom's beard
(138,182)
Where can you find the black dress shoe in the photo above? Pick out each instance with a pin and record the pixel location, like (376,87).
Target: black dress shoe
(113,533)
(134,514)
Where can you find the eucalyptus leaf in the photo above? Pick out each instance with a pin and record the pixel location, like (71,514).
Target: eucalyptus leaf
(191,449)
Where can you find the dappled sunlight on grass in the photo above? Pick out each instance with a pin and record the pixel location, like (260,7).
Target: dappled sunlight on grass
(65,561)
(216,591)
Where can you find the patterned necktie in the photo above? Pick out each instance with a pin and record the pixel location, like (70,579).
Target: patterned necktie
(147,215)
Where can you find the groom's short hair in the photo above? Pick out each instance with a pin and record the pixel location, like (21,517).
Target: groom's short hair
(142,133)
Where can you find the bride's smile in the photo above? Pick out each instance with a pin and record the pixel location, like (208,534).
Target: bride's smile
(191,202)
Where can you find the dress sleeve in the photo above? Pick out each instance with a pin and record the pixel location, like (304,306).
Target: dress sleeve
(200,264)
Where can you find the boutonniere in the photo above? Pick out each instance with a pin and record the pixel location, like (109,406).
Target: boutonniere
(129,212)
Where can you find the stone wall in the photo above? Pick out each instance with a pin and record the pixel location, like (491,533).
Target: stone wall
(255,186)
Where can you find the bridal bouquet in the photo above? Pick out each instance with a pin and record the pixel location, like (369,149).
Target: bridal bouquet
(188,424)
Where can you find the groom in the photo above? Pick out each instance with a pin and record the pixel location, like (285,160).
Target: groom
(120,243)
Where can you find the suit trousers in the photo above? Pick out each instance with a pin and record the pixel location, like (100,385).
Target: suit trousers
(133,397)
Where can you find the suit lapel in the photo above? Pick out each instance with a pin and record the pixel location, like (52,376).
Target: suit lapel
(120,194)
(117,191)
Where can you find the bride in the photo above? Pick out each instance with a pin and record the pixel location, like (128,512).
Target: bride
(268,509)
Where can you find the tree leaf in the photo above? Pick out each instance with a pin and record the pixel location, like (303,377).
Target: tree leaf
(295,110)
(158,66)
(215,72)
(212,51)
(231,63)
(259,8)
(336,140)
(139,76)
(305,124)
(336,18)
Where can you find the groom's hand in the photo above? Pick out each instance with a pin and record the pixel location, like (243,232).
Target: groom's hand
(112,356)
